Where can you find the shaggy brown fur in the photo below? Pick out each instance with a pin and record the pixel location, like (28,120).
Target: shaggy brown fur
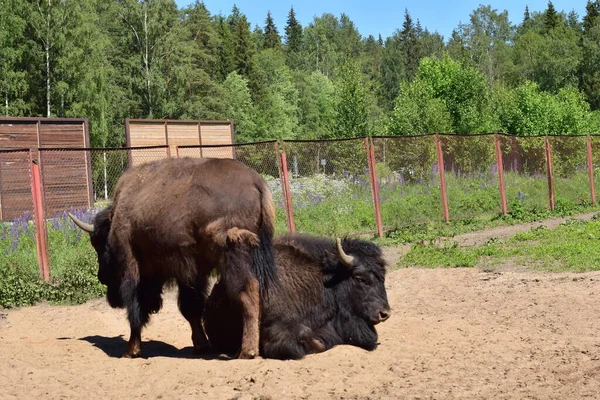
(319,302)
(180,218)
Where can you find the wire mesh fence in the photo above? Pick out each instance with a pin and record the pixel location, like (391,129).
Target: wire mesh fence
(330,187)
(19,236)
(570,170)
(471,171)
(326,187)
(525,172)
(409,180)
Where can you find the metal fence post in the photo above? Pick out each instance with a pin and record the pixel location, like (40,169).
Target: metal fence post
(550,178)
(285,187)
(41,238)
(440,157)
(374,186)
(500,165)
(590,161)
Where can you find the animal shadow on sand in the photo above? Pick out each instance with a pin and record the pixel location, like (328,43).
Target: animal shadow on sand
(114,347)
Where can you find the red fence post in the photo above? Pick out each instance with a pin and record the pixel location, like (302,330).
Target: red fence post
(440,157)
(285,187)
(590,161)
(550,178)
(41,238)
(374,187)
(500,165)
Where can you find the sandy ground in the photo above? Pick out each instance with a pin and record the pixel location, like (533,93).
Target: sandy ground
(456,333)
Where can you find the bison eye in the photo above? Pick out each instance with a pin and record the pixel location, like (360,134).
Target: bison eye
(361,278)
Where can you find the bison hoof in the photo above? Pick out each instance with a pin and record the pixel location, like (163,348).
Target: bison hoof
(131,354)
(247,355)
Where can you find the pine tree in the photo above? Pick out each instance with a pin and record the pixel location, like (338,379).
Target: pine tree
(590,19)
(271,38)
(410,46)
(551,18)
(191,71)
(243,47)
(590,46)
(293,33)
(225,54)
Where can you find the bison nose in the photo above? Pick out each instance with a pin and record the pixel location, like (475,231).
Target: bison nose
(384,314)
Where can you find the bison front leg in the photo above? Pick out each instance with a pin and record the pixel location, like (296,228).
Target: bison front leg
(191,304)
(142,299)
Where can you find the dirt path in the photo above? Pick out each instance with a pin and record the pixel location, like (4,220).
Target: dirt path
(393,254)
(454,333)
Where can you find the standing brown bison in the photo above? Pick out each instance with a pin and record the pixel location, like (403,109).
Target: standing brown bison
(327,295)
(180,218)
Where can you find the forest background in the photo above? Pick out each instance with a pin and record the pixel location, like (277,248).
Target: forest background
(106,60)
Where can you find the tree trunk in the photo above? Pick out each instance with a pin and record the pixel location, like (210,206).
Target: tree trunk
(47,48)
(147,61)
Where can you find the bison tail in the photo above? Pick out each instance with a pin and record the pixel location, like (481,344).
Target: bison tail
(263,257)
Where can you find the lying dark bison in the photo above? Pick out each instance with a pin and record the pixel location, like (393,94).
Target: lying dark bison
(327,295)
(180,218)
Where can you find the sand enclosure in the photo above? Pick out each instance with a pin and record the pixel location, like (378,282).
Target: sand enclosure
(454,333)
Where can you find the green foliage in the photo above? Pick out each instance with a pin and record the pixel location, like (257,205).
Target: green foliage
(278,100)
(107,61)
(293,40)
(353,103)
(462,89)
(315,104)
(271,39)
(417,111)
(527,110)
(74,269)
(13,47)
(239,107)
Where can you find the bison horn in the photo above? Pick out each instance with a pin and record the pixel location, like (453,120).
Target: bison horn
(89,228)
(344,258)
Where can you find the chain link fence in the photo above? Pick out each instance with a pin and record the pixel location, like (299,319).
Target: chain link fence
(319,187)
(409,180)
(525,172)
(330,187)
(570,170)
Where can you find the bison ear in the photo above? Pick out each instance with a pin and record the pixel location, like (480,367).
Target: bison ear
(89,228)
(343,257)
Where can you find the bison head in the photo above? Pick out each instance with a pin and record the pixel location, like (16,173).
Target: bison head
(363,280)
(108,271)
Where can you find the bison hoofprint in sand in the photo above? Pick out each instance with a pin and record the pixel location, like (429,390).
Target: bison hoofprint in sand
(328,294)
(180,218)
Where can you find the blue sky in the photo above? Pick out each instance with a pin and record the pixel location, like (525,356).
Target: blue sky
(382,16)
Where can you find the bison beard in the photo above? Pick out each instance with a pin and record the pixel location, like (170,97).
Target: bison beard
(325,297)
(179,219)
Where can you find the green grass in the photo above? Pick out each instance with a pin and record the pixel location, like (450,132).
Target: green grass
(328,206)
(573,246)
